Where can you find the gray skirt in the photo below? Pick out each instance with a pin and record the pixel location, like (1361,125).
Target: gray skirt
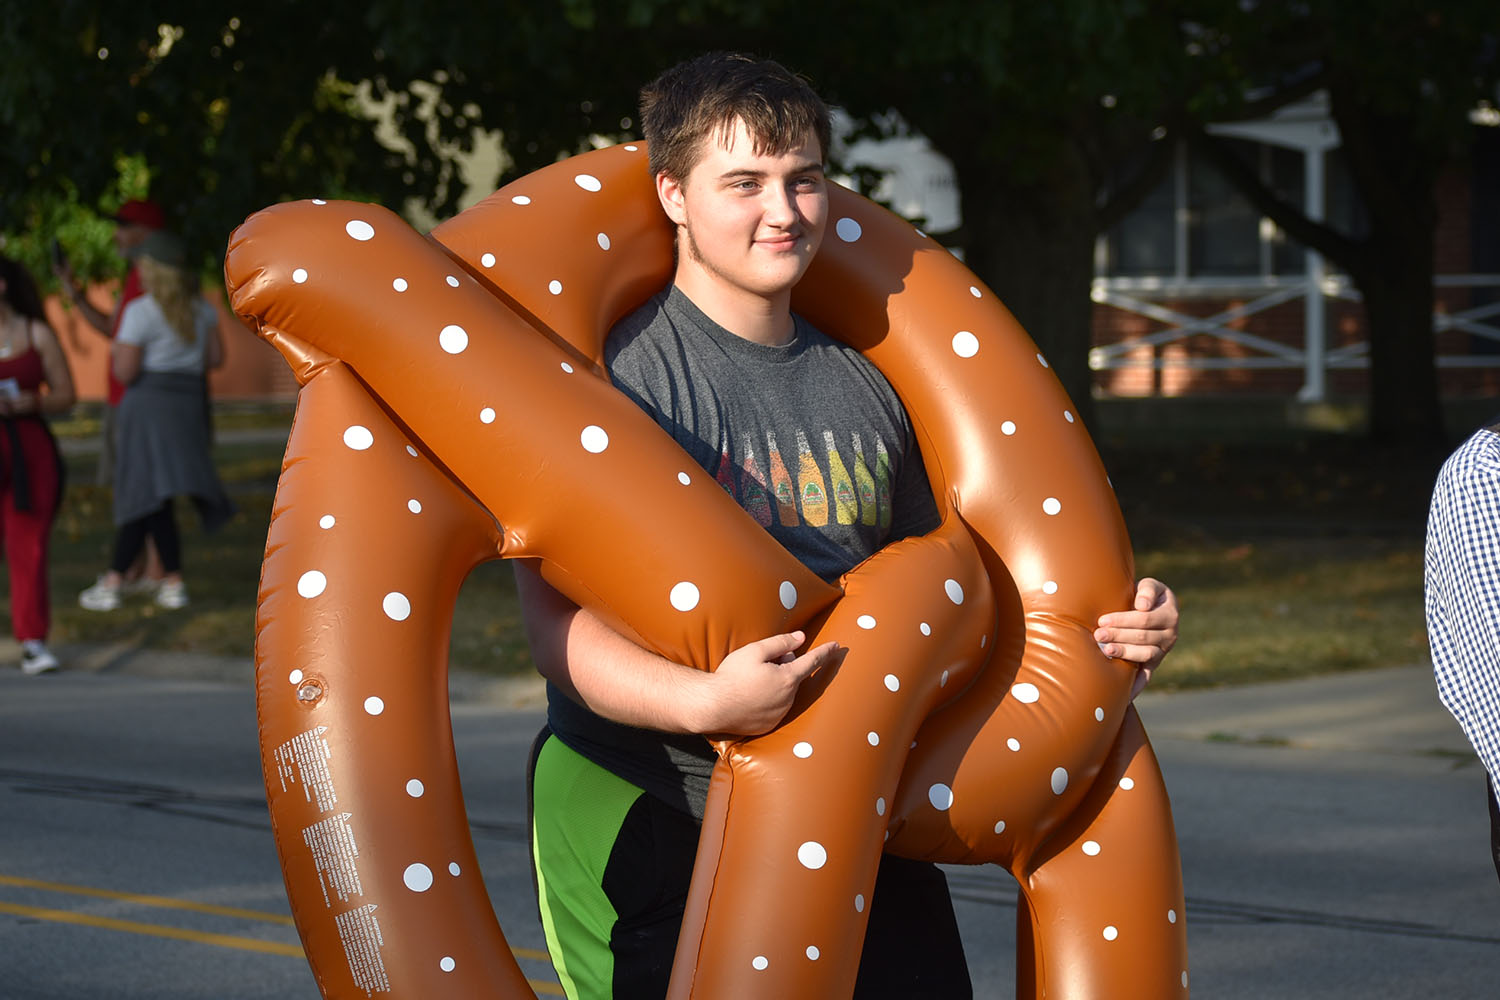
(163,450)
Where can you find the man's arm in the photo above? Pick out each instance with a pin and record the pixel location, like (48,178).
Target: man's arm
(92,315)
(1143,635)
(749,693)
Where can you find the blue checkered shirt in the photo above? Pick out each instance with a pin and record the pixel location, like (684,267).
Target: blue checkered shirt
(1463,592)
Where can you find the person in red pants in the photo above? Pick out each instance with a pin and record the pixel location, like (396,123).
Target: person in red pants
(34,381)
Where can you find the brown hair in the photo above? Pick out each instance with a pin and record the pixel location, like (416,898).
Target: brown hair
(704,96)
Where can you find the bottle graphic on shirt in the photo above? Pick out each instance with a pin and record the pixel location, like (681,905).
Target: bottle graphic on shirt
(725,475)
(754,499)
(864,484)
(811,488)
(883,482)
(845,506)
(781,486)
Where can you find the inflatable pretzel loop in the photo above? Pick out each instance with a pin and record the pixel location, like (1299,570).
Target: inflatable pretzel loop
(454,409)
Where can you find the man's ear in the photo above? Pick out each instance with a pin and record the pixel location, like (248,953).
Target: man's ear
(670,191)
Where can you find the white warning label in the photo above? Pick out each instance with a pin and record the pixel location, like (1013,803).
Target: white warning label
(303,760)
(335,853)
(360,932)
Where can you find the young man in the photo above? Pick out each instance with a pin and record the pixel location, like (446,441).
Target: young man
(748,389)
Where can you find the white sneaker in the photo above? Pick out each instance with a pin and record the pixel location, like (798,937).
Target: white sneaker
(172,595)
(100,597)
(140,585)
(36,658)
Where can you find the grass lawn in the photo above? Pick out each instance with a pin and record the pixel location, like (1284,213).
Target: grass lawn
(1289,558)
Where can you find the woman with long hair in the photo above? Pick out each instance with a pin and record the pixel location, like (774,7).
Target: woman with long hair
(168,341)
(34,381)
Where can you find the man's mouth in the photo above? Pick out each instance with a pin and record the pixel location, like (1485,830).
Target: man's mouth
(787,241)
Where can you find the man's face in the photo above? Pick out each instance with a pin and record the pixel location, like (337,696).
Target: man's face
(750,221)
(129,235)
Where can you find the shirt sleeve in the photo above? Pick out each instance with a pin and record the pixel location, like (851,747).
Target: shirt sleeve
(1462,592)
(135,328)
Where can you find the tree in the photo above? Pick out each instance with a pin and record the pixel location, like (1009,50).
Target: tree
(1034,104)
(1401,78)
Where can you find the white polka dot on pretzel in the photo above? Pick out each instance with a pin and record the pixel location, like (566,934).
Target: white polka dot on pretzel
(397,606)
(1026,694)
(594,439)
(358,437)
(360,230)
(453,338)
(684,596)
(1051,506)
(312,583)
(418,877)
(965,344)
(812,855)
(848,230)
(588,182)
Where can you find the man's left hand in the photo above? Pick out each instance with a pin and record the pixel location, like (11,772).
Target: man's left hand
(1143,635)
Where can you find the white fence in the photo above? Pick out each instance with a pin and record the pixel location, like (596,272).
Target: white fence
(1148,297)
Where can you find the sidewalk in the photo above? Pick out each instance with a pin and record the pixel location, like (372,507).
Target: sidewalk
(126,659)
(1391,710)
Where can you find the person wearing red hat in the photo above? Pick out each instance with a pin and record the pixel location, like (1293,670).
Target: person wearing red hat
(134,221)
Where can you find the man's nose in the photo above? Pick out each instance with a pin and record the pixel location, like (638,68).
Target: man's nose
(780,206)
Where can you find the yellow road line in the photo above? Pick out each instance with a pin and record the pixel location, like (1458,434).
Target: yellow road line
(140,900)
(166,902)
(155,930)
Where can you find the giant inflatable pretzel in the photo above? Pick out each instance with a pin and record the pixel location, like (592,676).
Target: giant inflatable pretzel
(454,408)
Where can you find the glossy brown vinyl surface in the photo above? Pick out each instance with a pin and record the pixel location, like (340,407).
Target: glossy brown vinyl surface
(973,719)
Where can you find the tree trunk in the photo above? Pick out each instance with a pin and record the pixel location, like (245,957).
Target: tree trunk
(1398,297)
(1034,247)
(1395,167)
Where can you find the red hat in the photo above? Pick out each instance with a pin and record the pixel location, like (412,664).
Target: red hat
(141,213)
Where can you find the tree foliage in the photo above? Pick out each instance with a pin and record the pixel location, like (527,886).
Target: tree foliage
(1036,104)
(1401,78)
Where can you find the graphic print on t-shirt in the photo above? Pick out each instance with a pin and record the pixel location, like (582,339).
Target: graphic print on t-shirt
(823,493)
(781,486)
(753,496)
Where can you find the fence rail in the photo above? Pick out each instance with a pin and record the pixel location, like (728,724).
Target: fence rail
(1149,298)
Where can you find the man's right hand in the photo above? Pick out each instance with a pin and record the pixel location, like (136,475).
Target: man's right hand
(754,686)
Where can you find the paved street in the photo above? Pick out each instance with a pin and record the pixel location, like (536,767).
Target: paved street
(1333,837)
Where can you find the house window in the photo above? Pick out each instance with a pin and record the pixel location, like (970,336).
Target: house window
(1196,224)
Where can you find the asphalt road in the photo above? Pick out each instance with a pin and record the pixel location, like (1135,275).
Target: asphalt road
(1333,837)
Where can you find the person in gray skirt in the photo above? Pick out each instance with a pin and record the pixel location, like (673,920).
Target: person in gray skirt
(168,339)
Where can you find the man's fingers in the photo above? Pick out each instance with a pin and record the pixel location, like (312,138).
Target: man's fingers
(1157,618)
(1131,636)
(773,648)
(808,663)
(1130,652)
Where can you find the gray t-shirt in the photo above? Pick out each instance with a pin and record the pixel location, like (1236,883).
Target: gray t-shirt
(809,439)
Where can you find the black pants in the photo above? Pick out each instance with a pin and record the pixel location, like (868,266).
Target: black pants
(130,538)
(1489,793)
(912,948)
